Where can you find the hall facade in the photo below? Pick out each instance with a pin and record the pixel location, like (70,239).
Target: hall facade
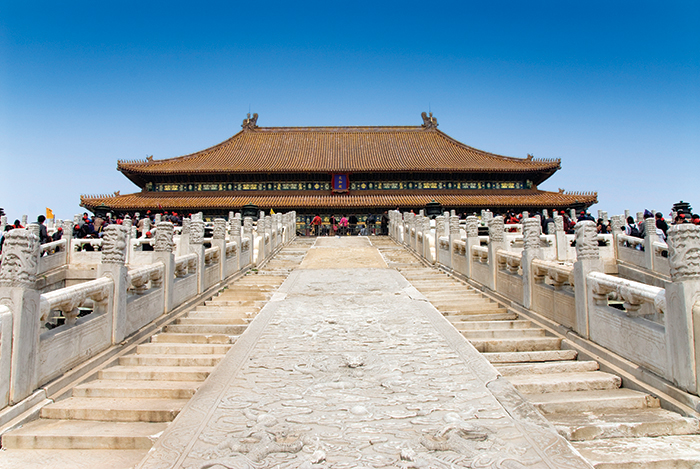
(338,170)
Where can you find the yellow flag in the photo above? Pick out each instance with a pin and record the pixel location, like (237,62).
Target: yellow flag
(272,212)
(49,214)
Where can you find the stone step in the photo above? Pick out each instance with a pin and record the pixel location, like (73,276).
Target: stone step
(517,345)
(137,389)
(628,423)
(494,325)
(68,459)
(531,356)
(468,310)
(236,311)
(180,338)
(664,452)
(83,434)
(572,366)
(465,318)
(442,286)
(449,294)
(138,359)
(463,304)
(218,320)
(206,329)
(249,287)
(160,373)
(235,296)
(209,312)
(71,459)
(503,333)
(591,401)
(114,409)
(562,382)
(248,303)
(183,349)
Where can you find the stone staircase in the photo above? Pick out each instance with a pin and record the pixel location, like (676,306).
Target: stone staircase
(113,420)
(611,426)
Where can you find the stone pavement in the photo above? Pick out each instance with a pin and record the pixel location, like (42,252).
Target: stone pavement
(349,366)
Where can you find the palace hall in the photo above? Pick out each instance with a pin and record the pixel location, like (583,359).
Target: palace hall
(338,170)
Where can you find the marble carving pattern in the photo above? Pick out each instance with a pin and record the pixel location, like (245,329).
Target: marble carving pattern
(349,370)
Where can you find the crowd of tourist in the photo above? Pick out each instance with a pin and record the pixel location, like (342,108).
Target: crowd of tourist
(344,225)
(93,227)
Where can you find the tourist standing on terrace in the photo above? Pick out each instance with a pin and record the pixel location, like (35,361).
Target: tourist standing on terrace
(385,223)
(316,223)
(43,234)
(353,223)
(343,225)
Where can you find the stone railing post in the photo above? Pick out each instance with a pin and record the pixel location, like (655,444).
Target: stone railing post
(417,228)
(560,237)
(68,236)
(24,220)
(407,229)
(3,223)
(420,228)
(453,233)
(649,238)
(235,236)
(130,234)
(267,236)
(472,232)
(20,256)
(248,235)
(532,249)
(439,233)
(112,265)
(587,261)
(196,239)
(617,222)
(183,246)
(682,317)
(219,240)
(427,253)
(164,247)
(497,241)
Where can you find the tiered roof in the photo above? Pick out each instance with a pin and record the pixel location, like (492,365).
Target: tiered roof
(325,150)
(513,199)
(338,149)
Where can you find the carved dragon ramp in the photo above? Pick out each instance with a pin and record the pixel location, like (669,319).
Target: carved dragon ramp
(350,367)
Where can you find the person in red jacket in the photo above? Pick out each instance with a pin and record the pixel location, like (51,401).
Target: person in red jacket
(316,223)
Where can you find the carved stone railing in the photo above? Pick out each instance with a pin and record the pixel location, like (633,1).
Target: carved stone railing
(634,294)
(480,254)
(53,247)
(660,249)
(185,264)
(624,240)
(558,274)
(231,249)
(211,255)
(508,260)
(80,242)
(143,278)
(68,300)
(444,243)
(658,312)
(139,242)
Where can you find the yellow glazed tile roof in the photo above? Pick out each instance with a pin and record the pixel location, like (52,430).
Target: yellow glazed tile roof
(196,201)
(338,149)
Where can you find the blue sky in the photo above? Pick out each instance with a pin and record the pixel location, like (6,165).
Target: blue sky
(612,88)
